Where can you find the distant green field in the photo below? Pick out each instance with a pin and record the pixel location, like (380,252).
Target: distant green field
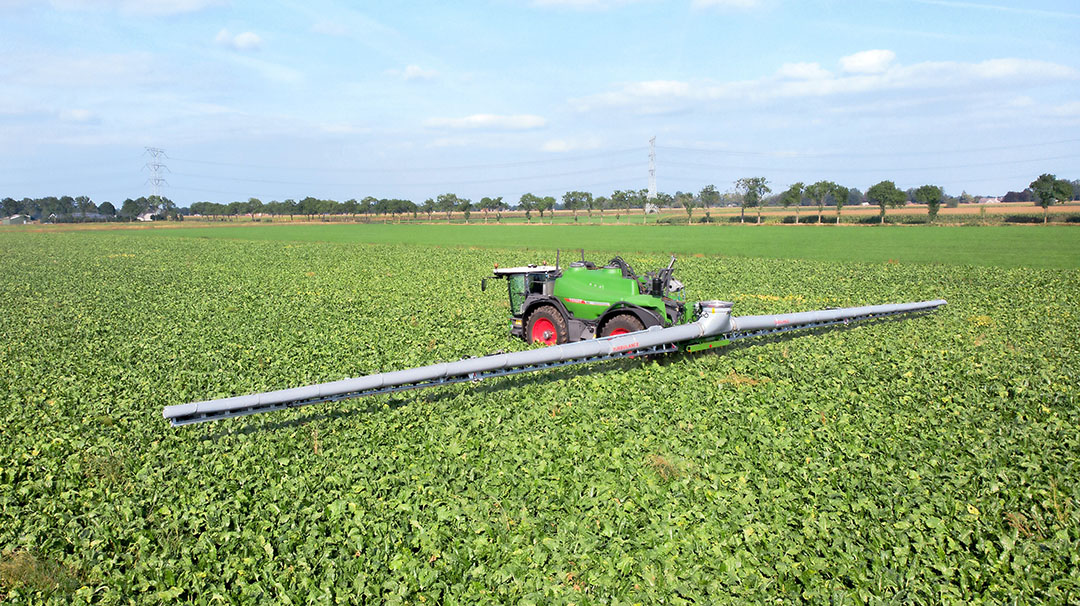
(1056,247)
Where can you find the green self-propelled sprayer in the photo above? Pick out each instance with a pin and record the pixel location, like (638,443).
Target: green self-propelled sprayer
(554,305)
(585,313)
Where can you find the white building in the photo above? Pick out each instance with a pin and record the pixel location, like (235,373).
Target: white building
(149,215)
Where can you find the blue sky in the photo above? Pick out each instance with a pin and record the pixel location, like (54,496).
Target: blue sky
(343,100)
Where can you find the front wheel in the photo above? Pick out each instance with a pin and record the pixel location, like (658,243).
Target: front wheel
(546,325)
(620,325)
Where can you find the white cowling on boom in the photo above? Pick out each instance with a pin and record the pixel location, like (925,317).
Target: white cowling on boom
(714,325)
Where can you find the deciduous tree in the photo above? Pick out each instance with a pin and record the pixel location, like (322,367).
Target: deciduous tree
(930,195)
(753,189)
(686,200)
(818,193)
(447,203)
(793,195)
(840,196)
(528,203)
(577,200)
(1049,190)
(885,194)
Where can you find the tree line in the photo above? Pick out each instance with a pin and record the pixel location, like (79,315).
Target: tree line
(82,208)
(747,193)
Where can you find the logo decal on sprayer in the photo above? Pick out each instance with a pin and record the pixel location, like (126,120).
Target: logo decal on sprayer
(584,302)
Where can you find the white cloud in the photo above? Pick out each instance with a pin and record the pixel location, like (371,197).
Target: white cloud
(868,62)
(660,87)
(489,122)
(571,145)
(77,115)
(802,71)
(244,41)
(413,72)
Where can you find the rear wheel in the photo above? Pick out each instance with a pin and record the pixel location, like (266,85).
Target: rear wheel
(546,325)
(620,325)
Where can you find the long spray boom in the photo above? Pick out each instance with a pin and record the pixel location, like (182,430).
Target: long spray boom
(714,322)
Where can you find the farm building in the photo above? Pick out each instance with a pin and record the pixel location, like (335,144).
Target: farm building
(15,220)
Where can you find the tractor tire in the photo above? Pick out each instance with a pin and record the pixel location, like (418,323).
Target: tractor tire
(621,324)
(546,325)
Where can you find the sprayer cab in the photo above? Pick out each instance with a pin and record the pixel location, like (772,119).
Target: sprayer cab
(553,304)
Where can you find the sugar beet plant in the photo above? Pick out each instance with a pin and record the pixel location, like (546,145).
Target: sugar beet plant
(922,461)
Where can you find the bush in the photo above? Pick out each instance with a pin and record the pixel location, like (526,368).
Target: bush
(1023,219)
(1072,218)
(914,220)
(672,221)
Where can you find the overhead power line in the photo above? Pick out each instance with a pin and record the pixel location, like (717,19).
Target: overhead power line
(407,169)
(862,154)
(606,169)
(892,169)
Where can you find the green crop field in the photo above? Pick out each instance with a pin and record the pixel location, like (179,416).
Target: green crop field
(1001,246)
(929,460)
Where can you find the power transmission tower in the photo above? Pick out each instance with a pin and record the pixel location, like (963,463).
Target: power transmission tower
(652,168)
(157,169)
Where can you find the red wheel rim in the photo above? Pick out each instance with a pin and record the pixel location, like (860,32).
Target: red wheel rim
(543,331)
(619,331)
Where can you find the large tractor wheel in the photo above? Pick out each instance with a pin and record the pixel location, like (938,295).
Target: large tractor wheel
(620,325)
(546,325)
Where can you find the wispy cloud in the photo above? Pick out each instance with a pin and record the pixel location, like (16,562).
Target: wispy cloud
(82,71)
(1003,9)
(489,122)
(863,73)
(413,72)
(572,144)
(135,7)
(1067,110)
(725,3)
(802,71)
(78,115)
(329,28)
(274,72)
(244,41)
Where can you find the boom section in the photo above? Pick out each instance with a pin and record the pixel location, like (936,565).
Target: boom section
(714,324)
